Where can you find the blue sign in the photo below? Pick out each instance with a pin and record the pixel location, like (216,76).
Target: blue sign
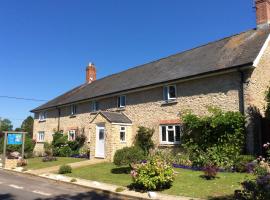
(14,138)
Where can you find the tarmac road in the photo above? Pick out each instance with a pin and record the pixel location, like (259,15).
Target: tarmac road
(15,186)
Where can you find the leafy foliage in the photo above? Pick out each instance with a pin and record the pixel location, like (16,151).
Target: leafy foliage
(27,125)
(155,174)
(5,125)
(65,169)
(218,138)
(242,163)
(144,139)
(128,155)
(64,148)
(49,159)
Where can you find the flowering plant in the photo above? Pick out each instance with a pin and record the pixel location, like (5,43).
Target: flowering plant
(155,174)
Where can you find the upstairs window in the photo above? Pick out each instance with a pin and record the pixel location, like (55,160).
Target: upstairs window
(73,110)
(41,136)
(121,101)
(170,134)
(94,106)
(71,135)
(42,116)
(169,92)
(122,134)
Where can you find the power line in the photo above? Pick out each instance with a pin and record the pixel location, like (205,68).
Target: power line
(21,98)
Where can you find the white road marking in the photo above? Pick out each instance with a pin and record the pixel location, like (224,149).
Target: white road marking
(16,186)
(41,193)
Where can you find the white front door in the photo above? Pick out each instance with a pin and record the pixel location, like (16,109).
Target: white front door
(100,141)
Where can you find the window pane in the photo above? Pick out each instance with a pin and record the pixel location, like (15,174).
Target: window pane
(123,100)
(165,93)
(96,106)
(119,102)
(101,134)
(122,136)
(177,133)
(172,92)
(123,128)
(164,137)
(171,136)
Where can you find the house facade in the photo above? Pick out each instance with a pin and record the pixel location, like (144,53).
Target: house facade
(232,73)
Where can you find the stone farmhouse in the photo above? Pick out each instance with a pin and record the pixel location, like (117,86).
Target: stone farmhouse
(232,73)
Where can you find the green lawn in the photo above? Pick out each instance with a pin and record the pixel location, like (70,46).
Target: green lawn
(187,183)
(36,163)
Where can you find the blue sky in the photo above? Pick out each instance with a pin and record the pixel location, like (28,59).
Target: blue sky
(45,45)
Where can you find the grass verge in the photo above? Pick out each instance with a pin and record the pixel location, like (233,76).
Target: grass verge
(187,183)
(36,163)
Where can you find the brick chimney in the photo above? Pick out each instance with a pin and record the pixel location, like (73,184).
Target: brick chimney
(262,13)
(91,73)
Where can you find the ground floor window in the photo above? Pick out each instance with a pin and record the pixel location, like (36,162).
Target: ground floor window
(170,134)
(71,135)
(41,136)
(122,134)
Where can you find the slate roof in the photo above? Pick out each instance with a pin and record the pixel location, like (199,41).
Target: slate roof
(223,54)
(115,117)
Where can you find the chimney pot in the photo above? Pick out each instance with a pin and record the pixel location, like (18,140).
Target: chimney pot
(262,13)
(91,73)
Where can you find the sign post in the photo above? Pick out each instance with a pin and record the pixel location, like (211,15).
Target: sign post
(14,138)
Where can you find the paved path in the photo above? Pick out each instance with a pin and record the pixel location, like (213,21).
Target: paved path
(73,165)
(15,186)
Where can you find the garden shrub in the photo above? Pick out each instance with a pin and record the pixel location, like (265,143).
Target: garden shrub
(218,138)
(65,151)
(258,189)
(128,156)
(49,159)
(242,163)
(65,169)
(210,171)
(21,162)
(144,139)
(48,149)
(64,148)
(154,174)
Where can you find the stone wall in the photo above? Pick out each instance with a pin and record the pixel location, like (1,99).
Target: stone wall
(256,84)
(147,108)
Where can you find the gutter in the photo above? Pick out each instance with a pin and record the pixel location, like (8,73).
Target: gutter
(184,79)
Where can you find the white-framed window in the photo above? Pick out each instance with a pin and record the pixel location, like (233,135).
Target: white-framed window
(121,101)
(170,134)
(73,109)
(41,136)
(122,134)
(42,116)
(169,92)
(71,135)
(94,106)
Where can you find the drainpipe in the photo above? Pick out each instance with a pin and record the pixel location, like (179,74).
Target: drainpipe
(241,93)
(59,115)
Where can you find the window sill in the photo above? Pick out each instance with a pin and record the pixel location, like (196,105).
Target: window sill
(72,116)
(40,142)
(123,142)
(169,102)
(94,113)
(121,109)
(40,121)
(169,144)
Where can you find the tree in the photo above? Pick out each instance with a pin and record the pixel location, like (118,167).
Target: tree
(27,125)
(5,125)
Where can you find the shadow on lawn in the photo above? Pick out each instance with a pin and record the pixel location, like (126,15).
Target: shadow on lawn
(226,197)
(121,170)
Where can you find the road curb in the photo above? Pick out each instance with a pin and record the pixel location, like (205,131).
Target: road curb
(77,185)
